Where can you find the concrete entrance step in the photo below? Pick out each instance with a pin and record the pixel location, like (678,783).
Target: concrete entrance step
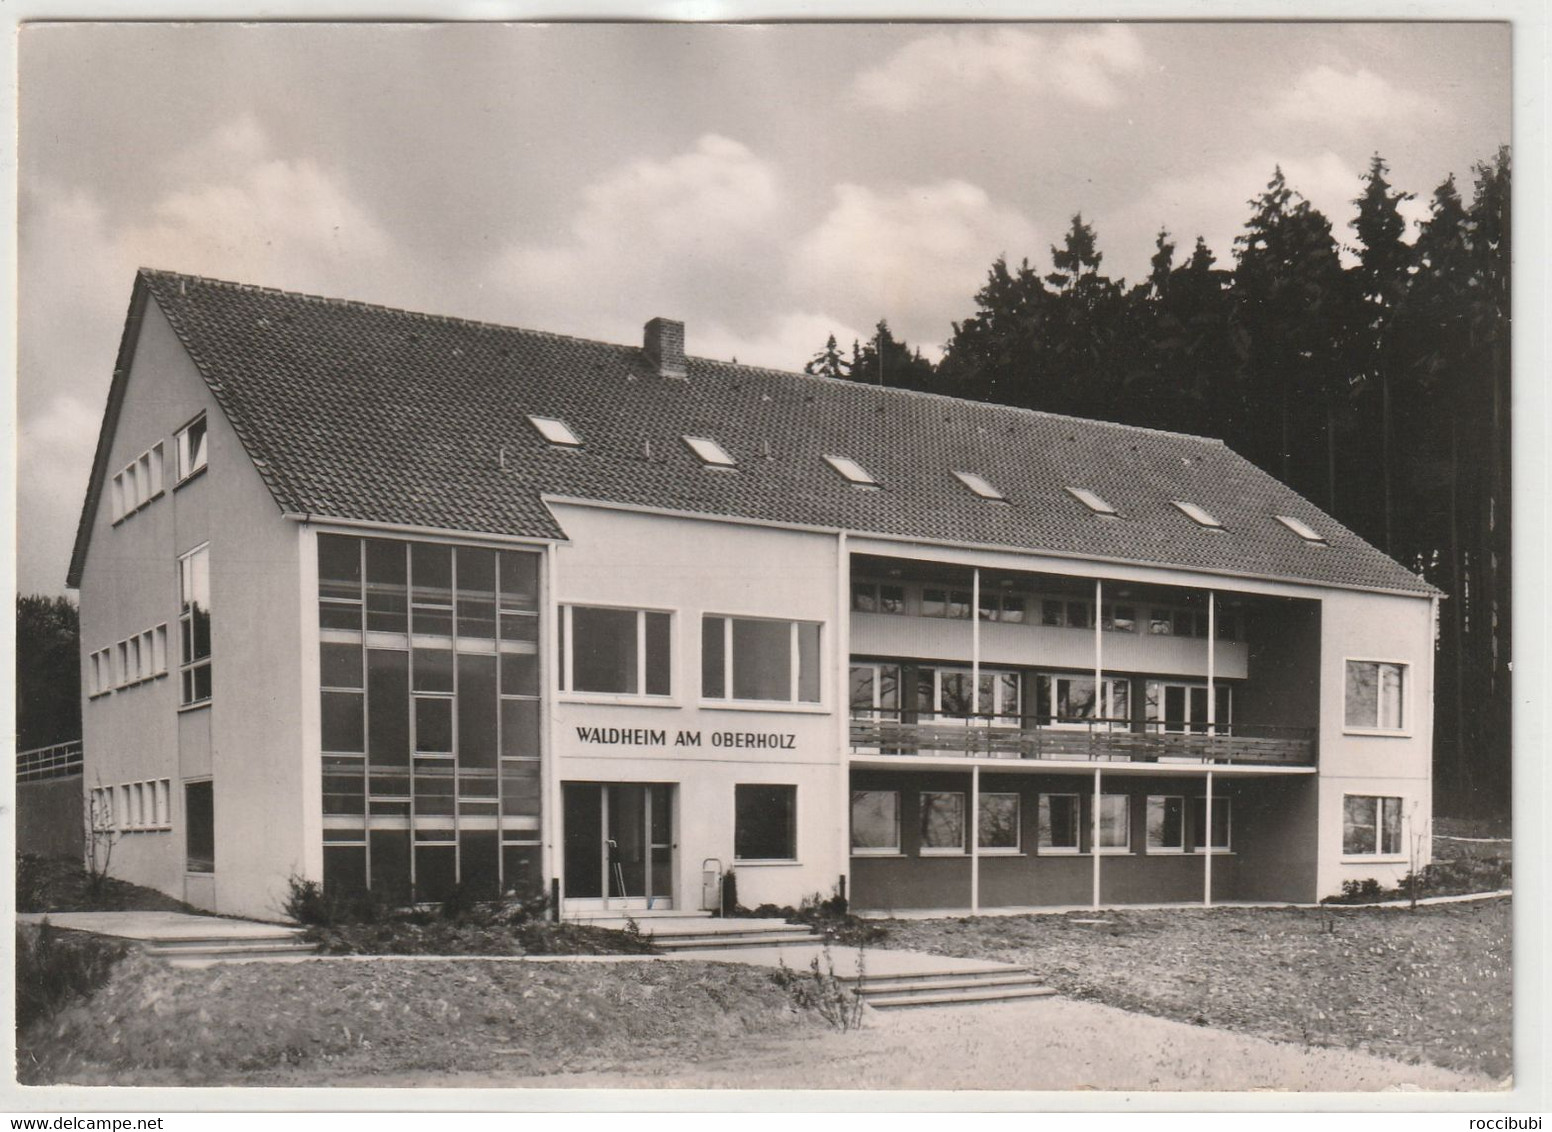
(202,950)
(965,996)
(871,988)
(685,943)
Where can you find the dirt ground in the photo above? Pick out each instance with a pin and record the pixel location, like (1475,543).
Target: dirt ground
(1038,1045)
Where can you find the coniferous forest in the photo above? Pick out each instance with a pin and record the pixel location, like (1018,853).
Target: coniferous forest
(1375,383)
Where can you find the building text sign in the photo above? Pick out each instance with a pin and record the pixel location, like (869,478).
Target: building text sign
(658,737)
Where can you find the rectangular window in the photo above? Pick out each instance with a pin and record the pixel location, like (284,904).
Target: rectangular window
(1059,823)
(765,823)
(942,823)
(875,822)
(1219,842)
(199,825)
(1166,824)
(1371,826)
(1115,823)
(192,448)
(623,652)
(998,824)
(1374,695)
(194,625)
(953,604)
(876,597)
(759,660)
(116,497)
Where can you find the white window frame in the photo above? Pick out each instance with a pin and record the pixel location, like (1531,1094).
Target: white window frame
(1107,694)
(640,694)
(1188,725)
(980,486)
(185,613)
(187,468)
(963,848)
(1149,846)
(1221,804)
(709,452)
(877,589)
(1303,530)
(1379,853)
(996,601)
(851,471)
(796,827)
(1093,501)
(1017,848)
(795,659)
(1052,850)
(1198,514)
(998,712)
(950,594)
(874,850)
(1116,850)
(556,431)
(876,710)
(1402,732)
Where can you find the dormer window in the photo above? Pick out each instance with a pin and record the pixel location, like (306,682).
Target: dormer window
(1198,515)
(1092,501)
(1302,529)
(556,431)
(852,471)
(980,486)
(712,454)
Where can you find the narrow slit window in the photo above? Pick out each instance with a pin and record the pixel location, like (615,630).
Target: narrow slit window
(852,471)
(710,452)
(1092,501)
(980,485)
(1198,514)
(556,431)
(1302,529)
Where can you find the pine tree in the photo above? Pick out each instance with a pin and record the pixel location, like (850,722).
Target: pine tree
(887,360)
(828,362)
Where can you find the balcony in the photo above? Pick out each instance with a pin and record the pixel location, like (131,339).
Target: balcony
(1094,741)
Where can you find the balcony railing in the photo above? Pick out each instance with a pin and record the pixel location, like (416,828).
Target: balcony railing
(1002,737)
(59,761)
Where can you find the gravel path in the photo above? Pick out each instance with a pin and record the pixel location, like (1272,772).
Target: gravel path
(1047,1044)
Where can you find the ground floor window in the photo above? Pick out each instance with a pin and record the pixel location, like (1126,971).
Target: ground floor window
(1220,823)
(875,821)
(1059,823)
(1166,824)
(199,823)
(765,823)
(998,826)
(942,823)
(1115,823)
(1371,825)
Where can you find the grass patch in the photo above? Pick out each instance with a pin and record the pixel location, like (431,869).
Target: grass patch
(311,1023)
(61,884)
(55,967)
(1429,985)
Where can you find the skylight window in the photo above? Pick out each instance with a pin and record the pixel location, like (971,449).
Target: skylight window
(1198,514)
(1092,501)
(710,452)
(853,471)
(1302,529)
(980,486)
(556,431)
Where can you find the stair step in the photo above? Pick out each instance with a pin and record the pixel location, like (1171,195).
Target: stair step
(719,943)
(173,943)
(955,998)
(872,987)
(233,948)
(748,933)
(982,974)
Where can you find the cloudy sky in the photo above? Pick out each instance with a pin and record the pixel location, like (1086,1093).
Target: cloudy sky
(767,185)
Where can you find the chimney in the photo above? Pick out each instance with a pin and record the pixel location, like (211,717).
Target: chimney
(663,343)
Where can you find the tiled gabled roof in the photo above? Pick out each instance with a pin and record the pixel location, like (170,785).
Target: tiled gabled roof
(360,412)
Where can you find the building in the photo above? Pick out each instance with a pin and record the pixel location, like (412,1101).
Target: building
(390,599)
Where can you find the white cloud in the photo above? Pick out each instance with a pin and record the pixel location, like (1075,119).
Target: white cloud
(239,212)
(1351,100)
(1215,203)
(1081,67)
(675,234)
(915,256)
(787,343)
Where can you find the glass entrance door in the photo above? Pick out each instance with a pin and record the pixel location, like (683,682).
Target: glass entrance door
(618,844)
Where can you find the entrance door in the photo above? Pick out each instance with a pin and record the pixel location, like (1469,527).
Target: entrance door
(619,847)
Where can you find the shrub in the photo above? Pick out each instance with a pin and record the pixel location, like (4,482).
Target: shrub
(306,903)
(729,893)
(53,967)
(31,884)
(823,992)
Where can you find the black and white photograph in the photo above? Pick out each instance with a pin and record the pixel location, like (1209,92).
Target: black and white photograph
(818,557)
